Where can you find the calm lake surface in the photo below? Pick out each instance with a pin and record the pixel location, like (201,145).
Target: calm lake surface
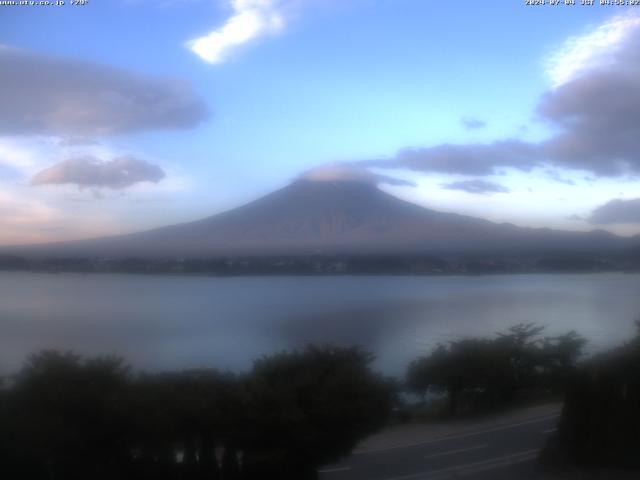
(170,322)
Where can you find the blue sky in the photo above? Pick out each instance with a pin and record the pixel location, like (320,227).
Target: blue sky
(283,86)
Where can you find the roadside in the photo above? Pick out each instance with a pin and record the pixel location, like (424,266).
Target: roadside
(411,434)
(505,445)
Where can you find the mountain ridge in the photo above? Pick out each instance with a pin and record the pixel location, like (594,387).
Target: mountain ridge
(310,217)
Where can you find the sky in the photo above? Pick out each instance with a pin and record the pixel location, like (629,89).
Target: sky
(123,115)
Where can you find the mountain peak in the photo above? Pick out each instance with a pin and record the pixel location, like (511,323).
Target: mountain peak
(339,172)
(348,172)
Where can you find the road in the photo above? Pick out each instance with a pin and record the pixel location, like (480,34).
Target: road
(501,448)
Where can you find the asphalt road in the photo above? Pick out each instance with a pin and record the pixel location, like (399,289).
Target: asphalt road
(496,452)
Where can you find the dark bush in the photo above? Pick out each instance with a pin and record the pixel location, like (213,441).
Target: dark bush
(482,373)
(600,423)
(64,417)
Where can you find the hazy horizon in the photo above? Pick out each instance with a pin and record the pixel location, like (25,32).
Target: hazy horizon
(317,175)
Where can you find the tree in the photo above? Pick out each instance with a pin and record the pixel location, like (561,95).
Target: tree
(309,408)
(67,417)
(179,419)
(559,359)
(71,418)
(478,372)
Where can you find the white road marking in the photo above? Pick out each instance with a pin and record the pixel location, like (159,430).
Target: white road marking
(331,470)
(503,462)
(462,435)
(551,430)
(473,468)
(459,450)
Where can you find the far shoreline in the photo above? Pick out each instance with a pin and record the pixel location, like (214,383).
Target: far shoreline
(317,274)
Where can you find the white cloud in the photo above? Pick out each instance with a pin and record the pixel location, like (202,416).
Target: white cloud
(592,50)
(251,19)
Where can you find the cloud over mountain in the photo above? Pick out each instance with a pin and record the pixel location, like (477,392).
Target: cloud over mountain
(337,171)
(116,174)
(43,95)
(476,186)
(616,211)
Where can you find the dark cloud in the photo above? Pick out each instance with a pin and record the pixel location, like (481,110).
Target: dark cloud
(481,187)
(616,211)
(595,114)
(76,141)
(599,115)
(398,182)
(116,174)
(556,177)
(471,123)
(473,159)
(43,95)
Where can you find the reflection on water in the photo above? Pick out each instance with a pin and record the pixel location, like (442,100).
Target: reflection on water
(168,322)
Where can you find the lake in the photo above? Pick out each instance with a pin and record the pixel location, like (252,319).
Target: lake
(171,322)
